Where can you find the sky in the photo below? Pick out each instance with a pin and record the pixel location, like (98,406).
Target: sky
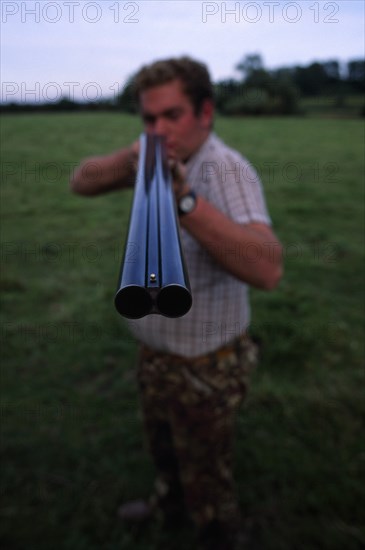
(87,50)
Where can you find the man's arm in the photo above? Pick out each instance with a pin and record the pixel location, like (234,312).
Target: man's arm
(251,252)
(100,174)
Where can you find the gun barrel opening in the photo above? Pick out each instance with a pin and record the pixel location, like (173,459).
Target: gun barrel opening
(173,300)
(133,302)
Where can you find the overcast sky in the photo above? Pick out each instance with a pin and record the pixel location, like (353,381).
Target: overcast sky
(85,50)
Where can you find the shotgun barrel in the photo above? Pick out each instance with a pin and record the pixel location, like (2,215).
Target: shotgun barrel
(153,276)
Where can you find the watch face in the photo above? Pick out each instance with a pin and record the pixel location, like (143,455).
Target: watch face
(187,203)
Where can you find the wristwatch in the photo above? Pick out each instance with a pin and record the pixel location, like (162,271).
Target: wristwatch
(186,204)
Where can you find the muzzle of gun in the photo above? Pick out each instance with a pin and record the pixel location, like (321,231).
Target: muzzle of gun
(153,276)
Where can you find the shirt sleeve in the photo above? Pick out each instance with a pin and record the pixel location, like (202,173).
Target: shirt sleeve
(236,189)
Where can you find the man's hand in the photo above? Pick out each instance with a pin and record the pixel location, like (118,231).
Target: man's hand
(134,151)
(178,172)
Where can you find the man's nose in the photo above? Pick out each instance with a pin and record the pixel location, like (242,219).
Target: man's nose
(160,127)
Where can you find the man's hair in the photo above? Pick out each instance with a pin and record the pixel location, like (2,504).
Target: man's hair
(193,75)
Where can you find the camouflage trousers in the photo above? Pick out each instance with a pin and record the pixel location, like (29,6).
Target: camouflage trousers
(189,407)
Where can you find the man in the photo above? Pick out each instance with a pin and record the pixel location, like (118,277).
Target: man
(193,372)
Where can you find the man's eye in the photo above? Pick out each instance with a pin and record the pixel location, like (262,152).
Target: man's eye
(174,115)
(149,119)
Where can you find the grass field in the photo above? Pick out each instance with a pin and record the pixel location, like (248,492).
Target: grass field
(335,106)
(72,442)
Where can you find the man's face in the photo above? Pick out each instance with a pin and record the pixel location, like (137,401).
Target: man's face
(167,111)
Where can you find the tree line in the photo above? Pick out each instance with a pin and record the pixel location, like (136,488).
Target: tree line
(257,90)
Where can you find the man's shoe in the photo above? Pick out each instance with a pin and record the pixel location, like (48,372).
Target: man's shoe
(217,537)
(136,511)
(141,511)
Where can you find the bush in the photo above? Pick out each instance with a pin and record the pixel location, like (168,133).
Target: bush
(279,98)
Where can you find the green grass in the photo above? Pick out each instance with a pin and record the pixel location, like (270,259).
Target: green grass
(340,105)
(72,440)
